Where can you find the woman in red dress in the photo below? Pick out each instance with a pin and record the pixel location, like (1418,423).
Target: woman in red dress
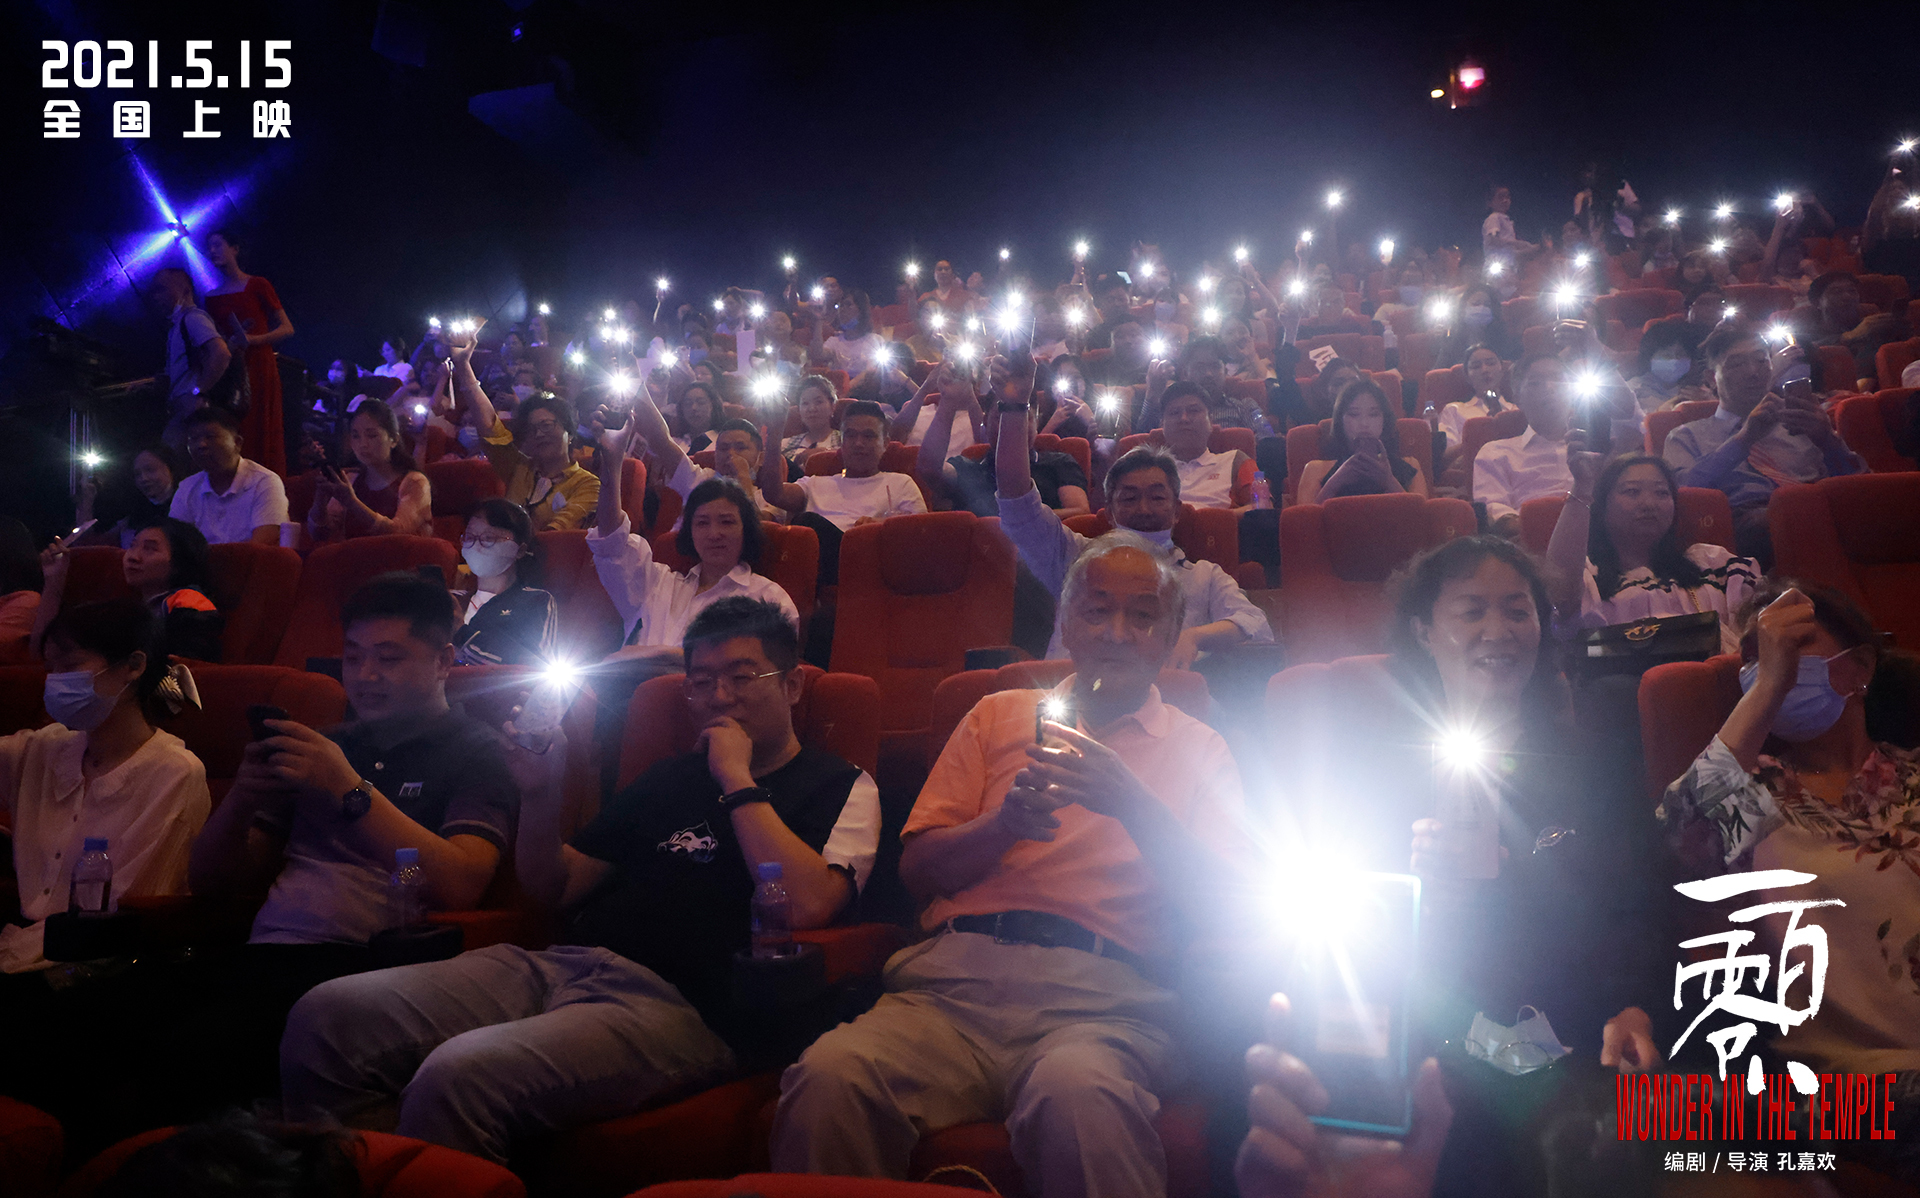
(250,300)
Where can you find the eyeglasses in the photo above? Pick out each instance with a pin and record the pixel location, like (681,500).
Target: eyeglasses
(701,685)
(471,542)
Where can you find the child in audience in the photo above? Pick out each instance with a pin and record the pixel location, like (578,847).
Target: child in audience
(507,620)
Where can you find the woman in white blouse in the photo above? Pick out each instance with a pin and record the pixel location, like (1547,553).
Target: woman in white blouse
(1486,381)
(1618,555)
(853,344)
(100,771)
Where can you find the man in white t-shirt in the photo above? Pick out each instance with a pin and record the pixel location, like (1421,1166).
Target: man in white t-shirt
(1206,479)
(231,498)
(861,493)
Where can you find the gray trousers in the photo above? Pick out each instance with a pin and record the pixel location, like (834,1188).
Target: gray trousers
(1069,1049)
(493,1045)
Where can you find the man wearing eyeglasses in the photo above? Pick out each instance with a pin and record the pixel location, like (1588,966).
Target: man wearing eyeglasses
(502,1043)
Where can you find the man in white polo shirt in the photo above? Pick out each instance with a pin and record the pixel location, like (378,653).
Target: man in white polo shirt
(1509,472)
(861,493)
(1207,479)
(231,498)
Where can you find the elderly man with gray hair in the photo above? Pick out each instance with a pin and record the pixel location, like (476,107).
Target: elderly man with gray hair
(1066,843)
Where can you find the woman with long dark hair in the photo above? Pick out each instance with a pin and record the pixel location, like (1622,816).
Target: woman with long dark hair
(854,343)
(169,566)
(385,493)
(1362,452)
(1617,555)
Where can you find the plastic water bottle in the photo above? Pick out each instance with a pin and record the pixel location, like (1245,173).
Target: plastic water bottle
(92,890)
(1262,492)
(772,914)
(1431,415)
(406,889)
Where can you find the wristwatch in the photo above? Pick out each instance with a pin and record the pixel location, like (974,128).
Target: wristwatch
(1007,405)
(745,795)
(356,802)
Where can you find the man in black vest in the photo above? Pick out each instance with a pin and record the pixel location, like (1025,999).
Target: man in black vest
(502,1043)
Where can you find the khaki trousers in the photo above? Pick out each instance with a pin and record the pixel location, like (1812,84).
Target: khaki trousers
(1068,1048)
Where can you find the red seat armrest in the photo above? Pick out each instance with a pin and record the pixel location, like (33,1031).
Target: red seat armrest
(856,950)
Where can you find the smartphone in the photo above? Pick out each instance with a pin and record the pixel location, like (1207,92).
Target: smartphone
(1467,805)
(257,716)
(432,573)
(1057,709)
(1351,986)
(612,417)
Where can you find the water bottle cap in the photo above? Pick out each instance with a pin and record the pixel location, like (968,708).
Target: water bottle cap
(1260,475)
(406,856)
(94,844)
(769,871)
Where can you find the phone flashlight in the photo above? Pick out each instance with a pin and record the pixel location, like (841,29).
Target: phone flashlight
(1076,316)
(1240,253)
(938,320)
(1005,253)
(419,409)
(1296,288)
(577,358)
(669,359)
(973,324)
(1496,267)
(608,315)
(1205,283)
(545,310)
(1673,216)
(1080,251)
(756,311)
(660,284)
(819,293)
(1582,259)
(1722,211)
(91,459)
(1157,347)
(433,322)
(1210,315)
(788,264)
(913,270)
(1306,235)
(1054,708)
(1783,201)
(1718,245)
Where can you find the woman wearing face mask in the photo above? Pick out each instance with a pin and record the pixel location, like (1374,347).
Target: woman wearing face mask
(157,470)
(100,770)
(1794,782)
(1618,557)
(1668,375)
(169,566)
(507,620)
(854,343)
(387,494)
(1478,321)
(1363,451)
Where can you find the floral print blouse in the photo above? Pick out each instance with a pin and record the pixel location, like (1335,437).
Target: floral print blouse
(1863,850)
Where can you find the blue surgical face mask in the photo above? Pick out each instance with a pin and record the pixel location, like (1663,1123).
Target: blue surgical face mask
(1410,295)
(1811,707)
(1669,370)
(1479,317)
(696,355)
(71,700)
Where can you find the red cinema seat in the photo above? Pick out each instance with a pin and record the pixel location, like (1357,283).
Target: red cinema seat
(333,572)
(252,585)
(1884,292)
(1520,311)
(1479,430)
(1220,440)
(1418,352)
(1335,560)
(31,1147)
(1207,534)
(1892,358)
(1416,442)
(1861,535)
(1664,421)
(1757,300)
(589,626)
(1076,447)
(986,1148)
(955,696)
(1438,388)
(1703,514)
(836,712)
(1873,426)
(633,493)
(1682,705)
(458,485)
(1834,368)
(95,574)
(916,592)
(390,1167)
(1364,350)
(899,458)
(1635,308)
(791,557)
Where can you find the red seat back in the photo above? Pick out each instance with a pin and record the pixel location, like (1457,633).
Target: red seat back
(332,573)
(1702,513)
(916,592)
(589,625)
(791,557)
(1479,430)
(1884,292)
(1635,308)
(1364,350)
(1682,705)
(1206,534)
(458,485)
(1869,425)
(1757,300)
(1438,388)
(1076,447)
(1664,421)
(1835,368)
(1220,440)
(1336,558)
(1893,358)
(1860,534)
(390,1167)
(254,587)
(837,712)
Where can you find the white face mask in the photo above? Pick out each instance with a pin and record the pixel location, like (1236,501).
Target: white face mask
(70,699)
(1411,295)
(489,560)
(524,391)
(1669,370)
(1478,316)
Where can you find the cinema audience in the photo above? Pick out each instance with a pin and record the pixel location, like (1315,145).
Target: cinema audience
(156,471)
(1207,479)
(197,354)
(1508,472)
(508,619)
(387,494)
(1668,374)
(503,1043)
(968,485)
(815,402)
(1362,451)
(533,457)
(231,498)
(1768,430)
(861,493)
(168,567)
(1059,884)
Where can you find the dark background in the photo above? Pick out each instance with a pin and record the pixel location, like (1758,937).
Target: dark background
(456,167)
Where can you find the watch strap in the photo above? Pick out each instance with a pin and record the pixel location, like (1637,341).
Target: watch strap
(745,795)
